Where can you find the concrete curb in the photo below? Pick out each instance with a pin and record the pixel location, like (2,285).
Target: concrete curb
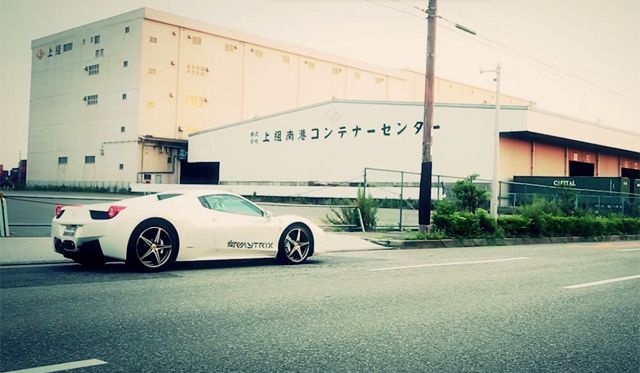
(35,262)
(451,243)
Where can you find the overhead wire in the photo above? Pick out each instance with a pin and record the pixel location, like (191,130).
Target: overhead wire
(517,54)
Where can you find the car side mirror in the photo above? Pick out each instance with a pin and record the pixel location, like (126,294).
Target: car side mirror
(268,214)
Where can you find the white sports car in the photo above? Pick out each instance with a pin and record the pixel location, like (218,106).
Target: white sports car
(153,231)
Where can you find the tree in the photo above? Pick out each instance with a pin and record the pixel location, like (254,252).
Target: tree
(468,196)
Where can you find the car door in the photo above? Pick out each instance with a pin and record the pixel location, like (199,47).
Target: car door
(240,228)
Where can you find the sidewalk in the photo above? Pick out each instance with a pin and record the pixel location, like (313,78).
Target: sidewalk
(39,250)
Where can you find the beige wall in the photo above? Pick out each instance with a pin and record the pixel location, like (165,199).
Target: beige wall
(608,165)
(515,158)
(203,81)
(548,160)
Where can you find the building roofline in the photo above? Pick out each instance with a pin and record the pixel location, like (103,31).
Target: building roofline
(583,121)
(362,102)
(122,17)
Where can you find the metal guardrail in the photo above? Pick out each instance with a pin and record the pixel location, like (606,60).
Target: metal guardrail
(23,198)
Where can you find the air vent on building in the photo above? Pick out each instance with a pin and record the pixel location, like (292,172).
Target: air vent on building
(356,75)
(153,39)
(312,65)
(285,59)
(258,53)
(152,71)
(378,80)
(150,104)
(335,70)
(228,47)
(197,40)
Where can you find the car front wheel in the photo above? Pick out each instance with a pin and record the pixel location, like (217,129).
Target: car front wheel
(296,244)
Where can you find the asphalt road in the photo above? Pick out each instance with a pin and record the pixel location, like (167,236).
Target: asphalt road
(505,310)
(24,209)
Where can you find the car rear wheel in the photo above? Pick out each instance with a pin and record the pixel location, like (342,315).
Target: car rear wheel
(296,244)
(153,246)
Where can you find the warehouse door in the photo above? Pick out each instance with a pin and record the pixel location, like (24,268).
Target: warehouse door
(207,173)
(581,169)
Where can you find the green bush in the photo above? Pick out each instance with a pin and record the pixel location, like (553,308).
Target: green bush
(467,225)
(515,226)
(368,207)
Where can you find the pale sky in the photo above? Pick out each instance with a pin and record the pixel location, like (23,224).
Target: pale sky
(583,56)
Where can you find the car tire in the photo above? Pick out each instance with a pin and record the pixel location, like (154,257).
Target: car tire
(295,245)
(89,261)
(153,246)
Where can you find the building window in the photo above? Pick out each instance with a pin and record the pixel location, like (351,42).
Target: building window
(150,104)
(93,69)
(67,47)
(126,30)
(96,39)
(125,63)
(121,166)
(91,41)
(153,39)
(84,41)
(124,96)
(62,160)
(286,59)
(258,53)
(228,47)
(99,52)
(158,179)
(195,100)
(92,100)
(122,129)
(152,71)
(147,177)
(90,159)
(196,40)
(169,160)
(312,65)
(196,70)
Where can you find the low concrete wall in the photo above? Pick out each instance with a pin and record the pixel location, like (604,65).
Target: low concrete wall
(437,244)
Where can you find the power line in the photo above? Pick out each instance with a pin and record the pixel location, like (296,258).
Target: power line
(515,53)
(548,65)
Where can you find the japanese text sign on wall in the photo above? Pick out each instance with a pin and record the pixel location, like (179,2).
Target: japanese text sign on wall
(305,134)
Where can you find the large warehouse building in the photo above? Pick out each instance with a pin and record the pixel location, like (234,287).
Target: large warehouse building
(331,144)
(113,102)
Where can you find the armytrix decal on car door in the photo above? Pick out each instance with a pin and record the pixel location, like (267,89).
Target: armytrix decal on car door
(250,245)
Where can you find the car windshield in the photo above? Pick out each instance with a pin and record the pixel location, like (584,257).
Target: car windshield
(230,204)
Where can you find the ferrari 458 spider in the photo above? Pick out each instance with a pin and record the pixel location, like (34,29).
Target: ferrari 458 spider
(151,232)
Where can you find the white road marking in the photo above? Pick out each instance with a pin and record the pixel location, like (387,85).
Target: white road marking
(601,282)
(638,249)
(449,264)
(59,367)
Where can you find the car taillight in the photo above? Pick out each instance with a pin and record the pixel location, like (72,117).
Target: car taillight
(114,210)
(59,211)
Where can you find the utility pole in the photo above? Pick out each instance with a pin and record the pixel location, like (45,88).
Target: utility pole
(424,204)
(495,185)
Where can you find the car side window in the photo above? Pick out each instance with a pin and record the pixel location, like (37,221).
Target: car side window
(230,204)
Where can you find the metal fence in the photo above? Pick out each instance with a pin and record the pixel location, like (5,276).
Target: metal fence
(598,202)
(110,186)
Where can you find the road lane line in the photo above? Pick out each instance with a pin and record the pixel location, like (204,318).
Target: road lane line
(601,282)
(59,367)
(638,249)
(449,264)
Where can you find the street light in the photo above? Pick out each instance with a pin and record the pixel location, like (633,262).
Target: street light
(496,146)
